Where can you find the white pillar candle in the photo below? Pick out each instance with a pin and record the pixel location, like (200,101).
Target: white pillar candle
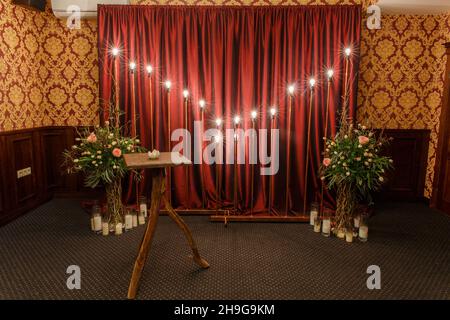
(97,223)
(349,236)
(356,221)
(312,215)
(135,220)
(143,209)
(363,233)
(105,228)
(141,219)
(128,221)
(340,234)
(92,224)
(326,227)
(118,229)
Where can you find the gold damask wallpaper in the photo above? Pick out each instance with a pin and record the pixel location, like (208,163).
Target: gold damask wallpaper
(402,76)
(49,75)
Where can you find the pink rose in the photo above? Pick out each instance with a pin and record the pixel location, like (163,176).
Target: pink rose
(363,140)
(326,162)
(117,152)
(92,138)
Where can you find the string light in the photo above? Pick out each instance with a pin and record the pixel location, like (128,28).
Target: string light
(237,120)
(149,69)
(273,111)
(115,52)
(330,73)
(168,84)
(312,82)
(348,52)
(202,103)
(291,89)
(254,114)
(218,122)
(185,93)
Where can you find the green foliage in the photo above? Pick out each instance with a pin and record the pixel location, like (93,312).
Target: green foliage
(99,155)
(353,157)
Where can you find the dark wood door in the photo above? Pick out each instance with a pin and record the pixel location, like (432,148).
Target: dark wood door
(441,189)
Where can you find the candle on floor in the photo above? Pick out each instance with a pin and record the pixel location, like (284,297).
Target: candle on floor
(128,221)
(134,219)
(143,205)
(363,233)
(92,224)
(340,233)
(105,227)
(313,213)
(119,227)
(317,224)
(97,222)
(349,236)
(326,227)
(141,219)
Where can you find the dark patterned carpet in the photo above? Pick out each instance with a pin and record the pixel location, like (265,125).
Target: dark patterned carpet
(409,242)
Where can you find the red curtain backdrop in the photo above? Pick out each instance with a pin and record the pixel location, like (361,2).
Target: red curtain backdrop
(237,59)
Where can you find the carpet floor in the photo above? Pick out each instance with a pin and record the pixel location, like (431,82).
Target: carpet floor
(408,241)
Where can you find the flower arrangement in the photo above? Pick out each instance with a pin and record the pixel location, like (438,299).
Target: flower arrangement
(99,155)
(353,164)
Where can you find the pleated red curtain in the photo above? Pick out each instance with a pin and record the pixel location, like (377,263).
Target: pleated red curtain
(238,59)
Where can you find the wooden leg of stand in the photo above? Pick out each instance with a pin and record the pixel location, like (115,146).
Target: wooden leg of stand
(182,225)
(157,194)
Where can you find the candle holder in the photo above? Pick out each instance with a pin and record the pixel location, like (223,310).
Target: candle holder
(254,115)
(168,86)
(202,105)
(312,83)
(218,177)
(326,223)
(291,90)
(150,78)
(363,233)
(237,120)
(186,125)
(273,125)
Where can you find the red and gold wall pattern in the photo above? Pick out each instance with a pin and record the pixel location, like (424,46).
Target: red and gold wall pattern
(49,75)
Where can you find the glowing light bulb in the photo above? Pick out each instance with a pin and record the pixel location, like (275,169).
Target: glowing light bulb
(312,82)
(254,114)
(291,89)
(202,103)
(168,84)
(237,119)
(236,136)
(330,73)
(273,111)
(149,69)
(115,52)
(348,52)
(185,93)
(218,122)
(132,65)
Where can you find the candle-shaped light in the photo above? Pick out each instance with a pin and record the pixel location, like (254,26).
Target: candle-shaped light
(168,84)
(115,51)
(186,93)
(348,51)
(273,112)
(330,74)
(254,115)
(218,122)
(132,66)
(291,89)
(202,104)
(237,120)
(312,83)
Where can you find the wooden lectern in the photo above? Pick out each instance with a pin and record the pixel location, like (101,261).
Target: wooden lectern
(158,167)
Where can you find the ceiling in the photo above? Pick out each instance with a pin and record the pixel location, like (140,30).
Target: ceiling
(414,6)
